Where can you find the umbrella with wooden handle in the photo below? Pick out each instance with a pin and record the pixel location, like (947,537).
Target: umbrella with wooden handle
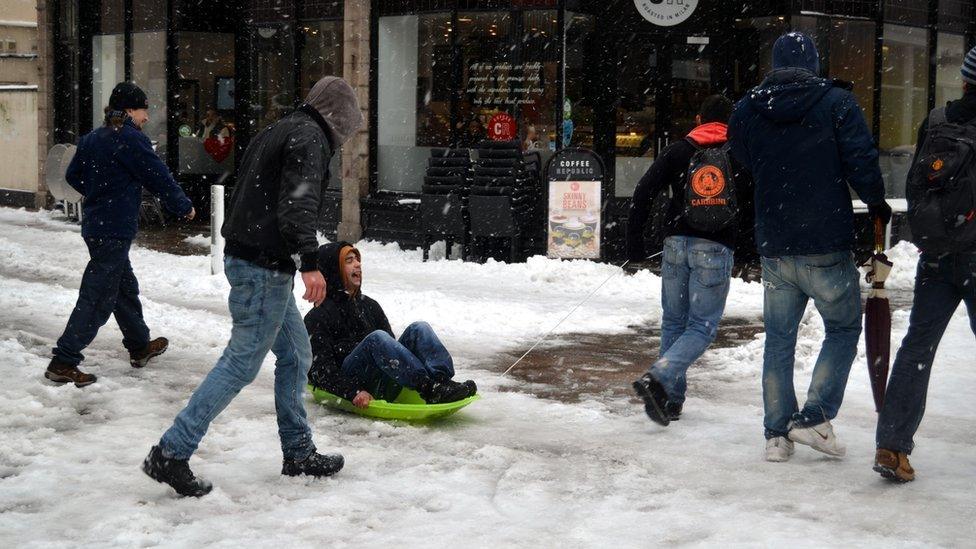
(877,317)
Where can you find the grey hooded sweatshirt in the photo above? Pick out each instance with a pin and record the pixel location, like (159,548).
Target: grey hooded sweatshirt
(273,212)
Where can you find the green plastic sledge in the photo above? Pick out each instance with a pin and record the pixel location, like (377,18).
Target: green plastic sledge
(408,406)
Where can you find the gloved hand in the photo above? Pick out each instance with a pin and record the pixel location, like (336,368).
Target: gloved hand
(880,210)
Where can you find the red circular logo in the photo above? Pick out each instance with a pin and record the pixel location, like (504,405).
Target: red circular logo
(575,187)
(708,181)
(502,127)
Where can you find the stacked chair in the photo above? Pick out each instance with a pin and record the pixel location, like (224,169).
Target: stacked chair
(506,199)
(444,202)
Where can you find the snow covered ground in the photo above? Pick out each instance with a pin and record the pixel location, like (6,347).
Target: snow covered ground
(510,470)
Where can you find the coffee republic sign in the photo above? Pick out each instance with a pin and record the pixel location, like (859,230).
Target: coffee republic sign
(666,13)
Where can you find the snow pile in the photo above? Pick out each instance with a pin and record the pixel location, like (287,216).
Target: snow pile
(511,470)
(199,240)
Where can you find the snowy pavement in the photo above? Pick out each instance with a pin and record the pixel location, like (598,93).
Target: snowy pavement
(510,470)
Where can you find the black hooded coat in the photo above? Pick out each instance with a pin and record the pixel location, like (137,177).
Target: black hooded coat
(338,325)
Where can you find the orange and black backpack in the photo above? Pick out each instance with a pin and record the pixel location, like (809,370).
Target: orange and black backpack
(942,187)
(710,199)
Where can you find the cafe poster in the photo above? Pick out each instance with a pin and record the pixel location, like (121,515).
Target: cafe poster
(574,219)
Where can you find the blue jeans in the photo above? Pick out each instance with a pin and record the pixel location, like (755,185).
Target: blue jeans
(831,280)
(383,366)
(695,283)
(940,284)
(108,287)
(266,317)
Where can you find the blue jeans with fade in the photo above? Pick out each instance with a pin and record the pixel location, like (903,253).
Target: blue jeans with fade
(108,287)
(831,280)
(695,283)
(940,284)
(266,318)
(383,366)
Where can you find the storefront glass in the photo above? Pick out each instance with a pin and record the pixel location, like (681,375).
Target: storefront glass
(489,70)
(108,69)
(414,96)
(322,56)
(533,86)
(949,56)
(273,72)
(753,46)
(579,82)
(904,95)
(149,73)
(205,104)
(637,133)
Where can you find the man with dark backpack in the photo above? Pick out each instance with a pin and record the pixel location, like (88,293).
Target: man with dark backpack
(708,194)
(942,215)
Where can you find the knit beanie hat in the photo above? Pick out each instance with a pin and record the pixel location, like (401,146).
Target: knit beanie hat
(127,95)
(797,50)
(969,67)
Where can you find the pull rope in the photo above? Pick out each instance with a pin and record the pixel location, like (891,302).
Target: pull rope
(573,310)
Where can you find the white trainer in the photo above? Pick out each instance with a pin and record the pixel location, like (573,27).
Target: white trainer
(819,437)
(778,449)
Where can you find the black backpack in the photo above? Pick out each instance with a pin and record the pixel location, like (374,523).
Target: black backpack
(710,201)
(942,187)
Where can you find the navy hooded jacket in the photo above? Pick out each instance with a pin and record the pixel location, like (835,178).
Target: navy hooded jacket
(804,139)
(109,169)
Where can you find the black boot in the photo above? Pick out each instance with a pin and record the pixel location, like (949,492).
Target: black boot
(315,465)
(673,410)
(472,387)
(655,399)
(440,392)
(175,472)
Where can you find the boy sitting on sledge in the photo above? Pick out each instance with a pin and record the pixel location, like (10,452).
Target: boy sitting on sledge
(354,352)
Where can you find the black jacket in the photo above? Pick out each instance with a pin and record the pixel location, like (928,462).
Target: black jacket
(274,210)
(805,142)
(670,169)
(338,325)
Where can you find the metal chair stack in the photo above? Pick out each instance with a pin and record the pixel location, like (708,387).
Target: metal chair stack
(444,202)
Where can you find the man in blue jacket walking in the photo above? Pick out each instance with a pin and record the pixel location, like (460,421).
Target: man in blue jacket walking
(110,168)
(805,140)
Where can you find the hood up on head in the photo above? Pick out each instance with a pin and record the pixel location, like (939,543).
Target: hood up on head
(797,51)
(331,257)
(334,99)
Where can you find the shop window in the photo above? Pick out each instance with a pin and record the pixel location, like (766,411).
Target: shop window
(322,56)
(490,72)
(149,16)
(112,17)
(149,73)
(108,62)
(950,52)
(904,95)
(414,96)
(533,87)
(579,81)
(273,73)
(636,132)
(205,103)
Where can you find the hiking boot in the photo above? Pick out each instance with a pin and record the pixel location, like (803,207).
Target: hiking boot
(156,347)
(441,392)
(673,410)
(655,399)
(315,465)
(175,472)
(779,449)
(893,465)
(819,437)
(60,372)
(472,387)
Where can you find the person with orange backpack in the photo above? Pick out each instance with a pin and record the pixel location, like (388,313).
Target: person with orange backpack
(710,206)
